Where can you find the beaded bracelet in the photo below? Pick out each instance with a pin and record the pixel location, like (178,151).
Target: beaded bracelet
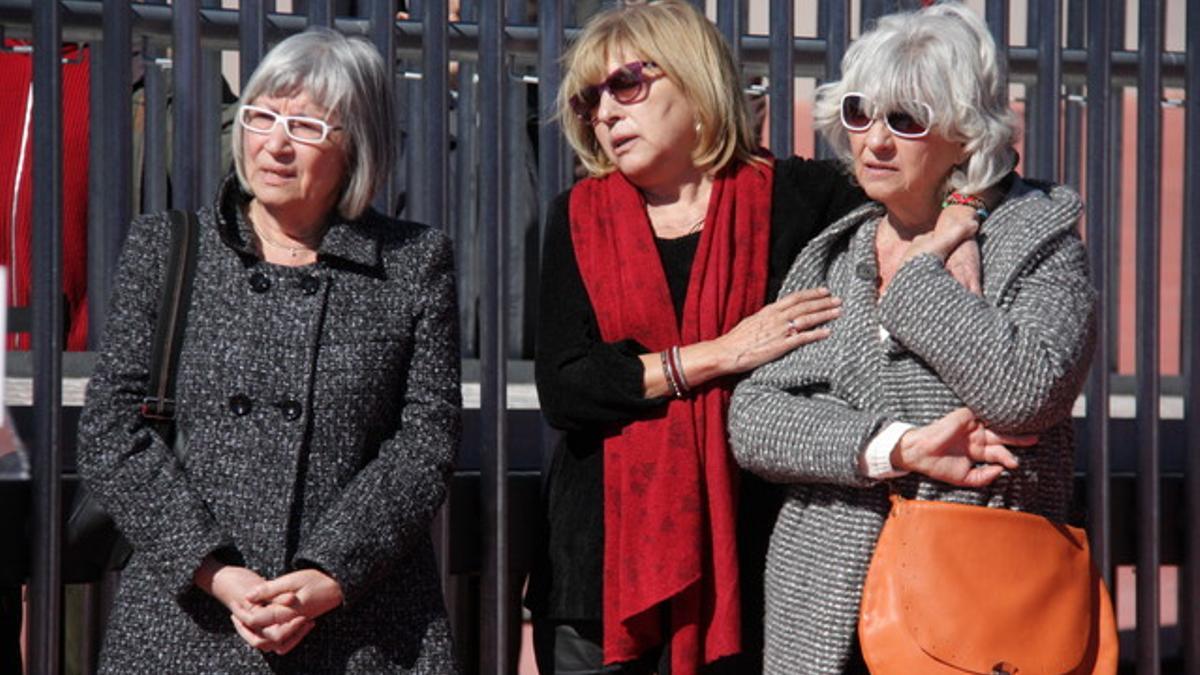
(974,201)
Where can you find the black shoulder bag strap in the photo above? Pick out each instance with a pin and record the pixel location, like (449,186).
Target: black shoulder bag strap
(159,404)
(92,543)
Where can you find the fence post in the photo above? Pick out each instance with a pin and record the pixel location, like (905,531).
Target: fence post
(45,587)
(1149,157)
(1042,156)
(783,83)
(1099,225)
(494,653)
(185,72)
(1190,605)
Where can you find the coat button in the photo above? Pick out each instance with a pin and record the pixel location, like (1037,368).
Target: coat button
(240,404)
(291,410)
(865,271)
(310,285)
(259,283)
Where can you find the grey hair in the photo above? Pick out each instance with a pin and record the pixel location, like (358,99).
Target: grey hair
(348,78)
(944,56)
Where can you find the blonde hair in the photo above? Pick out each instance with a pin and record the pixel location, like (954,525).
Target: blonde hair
(689,50)
(943,56)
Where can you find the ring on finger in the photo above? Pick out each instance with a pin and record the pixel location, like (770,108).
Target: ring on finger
(792,328)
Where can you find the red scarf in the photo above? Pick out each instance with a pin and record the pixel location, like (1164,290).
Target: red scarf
(670,550)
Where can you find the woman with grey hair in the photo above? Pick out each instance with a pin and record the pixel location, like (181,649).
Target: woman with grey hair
(317,395)
(922,387)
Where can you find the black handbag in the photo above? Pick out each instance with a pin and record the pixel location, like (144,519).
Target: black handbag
(92,543)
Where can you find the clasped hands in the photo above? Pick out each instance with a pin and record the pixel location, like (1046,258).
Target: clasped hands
(272,615)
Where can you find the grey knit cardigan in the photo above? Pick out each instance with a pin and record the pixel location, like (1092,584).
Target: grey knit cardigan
(321,411)
(1016,357)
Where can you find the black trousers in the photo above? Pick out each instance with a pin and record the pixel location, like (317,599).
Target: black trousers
(574,648)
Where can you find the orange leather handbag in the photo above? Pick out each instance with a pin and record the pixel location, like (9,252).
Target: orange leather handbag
(954,588)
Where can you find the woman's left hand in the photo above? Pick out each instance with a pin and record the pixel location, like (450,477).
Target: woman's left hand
(306,594)
(952,240)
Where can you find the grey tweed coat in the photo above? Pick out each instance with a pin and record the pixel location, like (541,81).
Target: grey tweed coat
(321,411)
(1017,357)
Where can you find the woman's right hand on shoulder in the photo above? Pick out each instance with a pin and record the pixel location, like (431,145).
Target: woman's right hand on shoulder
(791,321)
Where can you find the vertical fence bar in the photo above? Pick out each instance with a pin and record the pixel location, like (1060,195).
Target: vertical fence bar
(320,13)
(99,201)
(552,175)
(783,83)
(154,142)
(996,14)
(466,223)
(1190,607)
(494,649)
(731,24)
(106,235)
(1149,157)
(433,177)
(412,96)
(45,587)
(1041,160)
(834,20)
(1073,117)
(1100,222)
(252,36)
(185,72)
(383,35)
(209,98)
(869,10)
(835,28)
(521,204)
(1116,130)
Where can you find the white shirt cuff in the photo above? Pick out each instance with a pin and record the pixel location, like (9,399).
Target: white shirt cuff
(877,458)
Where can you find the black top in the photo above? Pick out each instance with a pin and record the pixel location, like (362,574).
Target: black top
(588,387)
(676,256)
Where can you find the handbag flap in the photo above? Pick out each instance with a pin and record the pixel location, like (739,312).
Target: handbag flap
(980,586)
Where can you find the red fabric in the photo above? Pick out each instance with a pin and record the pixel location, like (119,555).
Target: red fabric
(16,184)
(670,549)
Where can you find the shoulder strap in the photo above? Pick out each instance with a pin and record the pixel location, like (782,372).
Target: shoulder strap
(159,404)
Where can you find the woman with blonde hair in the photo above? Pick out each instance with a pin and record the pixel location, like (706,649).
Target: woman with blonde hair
(659,271)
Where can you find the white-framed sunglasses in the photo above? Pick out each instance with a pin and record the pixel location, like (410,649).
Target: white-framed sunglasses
(858,114)
(301,129)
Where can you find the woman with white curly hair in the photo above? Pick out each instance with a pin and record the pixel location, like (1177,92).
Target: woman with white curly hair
(922,387)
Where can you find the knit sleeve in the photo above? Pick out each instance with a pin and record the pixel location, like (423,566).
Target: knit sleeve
(128,466)
(1018,365)
(786,428)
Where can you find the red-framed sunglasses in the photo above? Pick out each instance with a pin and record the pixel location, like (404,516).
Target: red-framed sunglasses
(627,84)
(858,114)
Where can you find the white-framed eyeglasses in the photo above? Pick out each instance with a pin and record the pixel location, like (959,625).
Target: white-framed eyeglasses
(301,129)
(858,113)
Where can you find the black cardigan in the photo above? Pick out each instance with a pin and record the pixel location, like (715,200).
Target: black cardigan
(588,387)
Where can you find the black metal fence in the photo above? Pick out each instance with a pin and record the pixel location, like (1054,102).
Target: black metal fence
(482,157)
